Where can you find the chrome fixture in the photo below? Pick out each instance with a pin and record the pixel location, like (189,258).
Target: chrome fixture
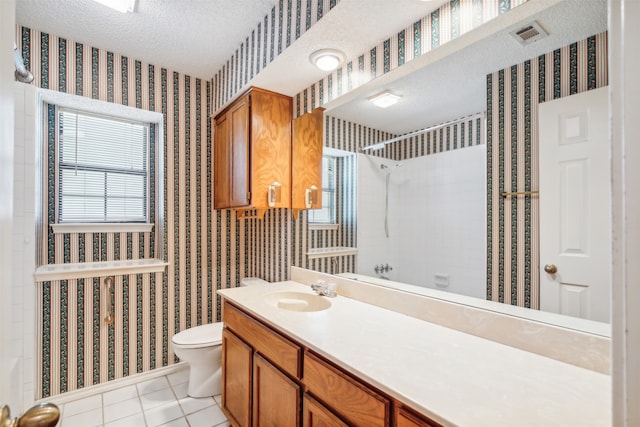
(382,268)
(323,288)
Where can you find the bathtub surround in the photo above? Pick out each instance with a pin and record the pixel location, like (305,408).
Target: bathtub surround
(436,220)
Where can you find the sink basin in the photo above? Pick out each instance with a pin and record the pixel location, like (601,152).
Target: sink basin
(297,301)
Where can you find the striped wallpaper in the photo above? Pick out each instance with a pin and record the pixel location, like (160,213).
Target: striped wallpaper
(513,96)
(288,20)
(203,246)
(466,132)
(439,27)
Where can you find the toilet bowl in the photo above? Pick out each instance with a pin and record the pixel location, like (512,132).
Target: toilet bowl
(201,348)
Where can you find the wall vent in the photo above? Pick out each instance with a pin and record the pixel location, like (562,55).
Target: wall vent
(528,34)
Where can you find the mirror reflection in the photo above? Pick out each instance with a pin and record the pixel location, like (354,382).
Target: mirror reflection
(436,210)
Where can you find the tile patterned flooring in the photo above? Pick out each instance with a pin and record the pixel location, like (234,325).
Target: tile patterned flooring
(161,401)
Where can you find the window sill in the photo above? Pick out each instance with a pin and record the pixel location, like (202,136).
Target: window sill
(101,228)
(96,269)
(318,226)
(331,252)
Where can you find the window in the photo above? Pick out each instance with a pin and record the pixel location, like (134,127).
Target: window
(102,167)
(327,214)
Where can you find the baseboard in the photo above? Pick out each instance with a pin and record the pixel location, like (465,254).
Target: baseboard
(114,384)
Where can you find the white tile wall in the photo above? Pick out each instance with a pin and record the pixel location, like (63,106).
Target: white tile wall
(437,219)
(24,249)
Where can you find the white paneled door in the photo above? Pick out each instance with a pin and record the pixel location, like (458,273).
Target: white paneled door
(575,206)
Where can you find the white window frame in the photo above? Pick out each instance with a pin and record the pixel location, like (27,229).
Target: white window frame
(59,167)
(333,220)
(117,111)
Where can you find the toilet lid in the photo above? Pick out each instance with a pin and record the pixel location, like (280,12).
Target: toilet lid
(199,336)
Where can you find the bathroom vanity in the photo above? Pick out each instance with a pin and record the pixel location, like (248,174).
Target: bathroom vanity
(291,357)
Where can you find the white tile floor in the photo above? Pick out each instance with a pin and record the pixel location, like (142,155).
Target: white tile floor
(162,401)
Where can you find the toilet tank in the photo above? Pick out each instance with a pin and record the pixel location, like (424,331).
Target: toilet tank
(248,281)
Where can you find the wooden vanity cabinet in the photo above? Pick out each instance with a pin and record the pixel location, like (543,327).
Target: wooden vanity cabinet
(270,380)
(252,151)
(306,161)
(260,373)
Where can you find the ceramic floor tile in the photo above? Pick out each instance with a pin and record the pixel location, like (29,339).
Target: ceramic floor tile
(180,422)
(150,386)
(136,420)
(180,390)
(191,405)
(218,400)
(120,394)
(208,417)
(84,419)
(157,398)
(122,409)
(82,405)
(179,377)
(163,414)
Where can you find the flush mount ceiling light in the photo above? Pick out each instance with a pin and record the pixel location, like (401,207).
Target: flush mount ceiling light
(385,99)
(327,59)
(123,6)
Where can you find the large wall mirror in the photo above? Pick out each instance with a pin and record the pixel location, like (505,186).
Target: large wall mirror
(430,210)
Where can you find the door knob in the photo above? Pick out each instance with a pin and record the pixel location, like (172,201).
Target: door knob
(550,268)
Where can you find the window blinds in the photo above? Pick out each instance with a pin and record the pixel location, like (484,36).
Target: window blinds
(103,166)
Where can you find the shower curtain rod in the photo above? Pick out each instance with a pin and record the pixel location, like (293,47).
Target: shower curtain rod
(380,145)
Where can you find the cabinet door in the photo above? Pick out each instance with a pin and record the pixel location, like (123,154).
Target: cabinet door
(236,379)
(306,160)
(316,415)
(276,399)
(406,418)
(356,403)
(222,161)
(239,147)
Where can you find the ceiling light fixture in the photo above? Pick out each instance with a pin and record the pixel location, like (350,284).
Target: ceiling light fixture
(385,99)
(327,59)
(123,6)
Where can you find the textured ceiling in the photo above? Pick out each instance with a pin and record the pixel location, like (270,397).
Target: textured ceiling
(454,86)
(191,36)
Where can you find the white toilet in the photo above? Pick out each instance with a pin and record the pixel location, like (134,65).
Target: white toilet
(201,348)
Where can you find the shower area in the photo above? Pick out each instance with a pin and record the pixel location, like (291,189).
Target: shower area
(422,221)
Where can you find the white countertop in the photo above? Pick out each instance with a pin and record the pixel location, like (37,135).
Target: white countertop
(454,378)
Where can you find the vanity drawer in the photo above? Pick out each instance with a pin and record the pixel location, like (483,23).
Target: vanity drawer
(273,346)
(352,400)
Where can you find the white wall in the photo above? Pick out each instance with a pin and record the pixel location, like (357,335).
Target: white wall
(7,361)
(437,219)
(24,242)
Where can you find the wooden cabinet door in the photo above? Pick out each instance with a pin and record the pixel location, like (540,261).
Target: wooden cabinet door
(239,147)
(405,418)
(276,399)
(306,159)
(236,379)
(231,184)
(316,415)
(222,162)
